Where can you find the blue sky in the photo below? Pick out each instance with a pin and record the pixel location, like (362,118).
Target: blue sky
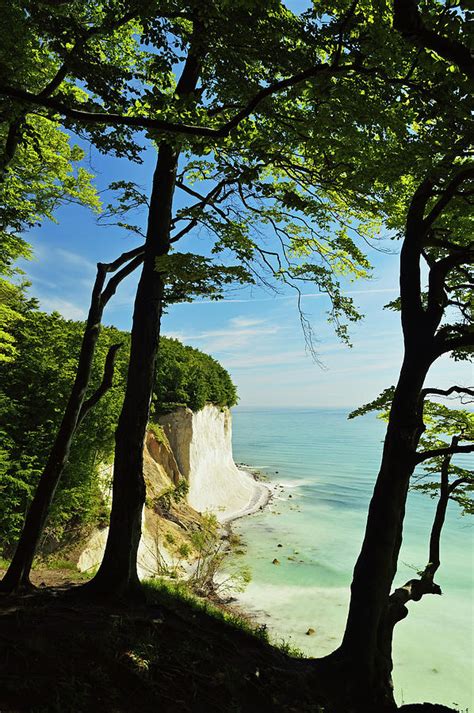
(254,333)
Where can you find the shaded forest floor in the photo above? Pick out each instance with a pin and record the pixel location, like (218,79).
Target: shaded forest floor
(61,654)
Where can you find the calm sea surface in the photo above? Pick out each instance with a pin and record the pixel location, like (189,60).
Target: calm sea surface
(327,466)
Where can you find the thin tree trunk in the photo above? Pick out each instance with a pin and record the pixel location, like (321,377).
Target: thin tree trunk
(415,589)
(18,573)
(376,564)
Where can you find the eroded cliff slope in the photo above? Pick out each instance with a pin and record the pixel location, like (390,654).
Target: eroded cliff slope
(194,447)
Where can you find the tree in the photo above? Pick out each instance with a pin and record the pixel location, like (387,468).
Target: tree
(453,483)
(38,165)
(76,409)
(34,392)
(208,89)
(346,121)
(435,321)
(445,431)
(249,166)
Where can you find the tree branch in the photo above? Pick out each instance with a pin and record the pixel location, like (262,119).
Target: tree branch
(437,298)
(114,281)
(447,392)
(415,589)
(106,384)
(449,192)
(204,200)
(61,73)
(408,21)
(445,344)
(436,452)
(143,122)
(124,257)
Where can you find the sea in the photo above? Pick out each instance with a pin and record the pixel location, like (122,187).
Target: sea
(322,468)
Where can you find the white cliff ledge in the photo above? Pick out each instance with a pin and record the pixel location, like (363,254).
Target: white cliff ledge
(202,445)
(199,449)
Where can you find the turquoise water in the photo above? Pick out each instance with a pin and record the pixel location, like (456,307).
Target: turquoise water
(327,466)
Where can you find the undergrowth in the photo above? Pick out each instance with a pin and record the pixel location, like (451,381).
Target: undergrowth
(175,594)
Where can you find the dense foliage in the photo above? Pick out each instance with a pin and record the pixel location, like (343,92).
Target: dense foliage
(187,376)
(33,392)
(39,168)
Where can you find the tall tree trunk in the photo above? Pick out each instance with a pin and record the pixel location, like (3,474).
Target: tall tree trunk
(18,573)
(377,562)
(118,571)
(117,574)
(364,657)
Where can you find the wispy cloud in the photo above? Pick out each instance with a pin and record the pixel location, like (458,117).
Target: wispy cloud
(73,259)
(240,333)
(67,309)
(287,298)
(243,322)
(251,361)
(369,291)
(242,300)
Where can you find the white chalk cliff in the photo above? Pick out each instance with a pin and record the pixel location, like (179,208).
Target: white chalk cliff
(199,449)
(202,445)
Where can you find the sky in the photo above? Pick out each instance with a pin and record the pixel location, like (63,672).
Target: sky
(255,333)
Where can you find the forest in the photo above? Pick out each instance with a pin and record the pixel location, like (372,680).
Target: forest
(289,149)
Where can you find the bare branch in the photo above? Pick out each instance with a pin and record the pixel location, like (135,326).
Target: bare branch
(209,199)
(440,452)
(114,281)
(447,392)
(124,257)
(106,384)
(415,589)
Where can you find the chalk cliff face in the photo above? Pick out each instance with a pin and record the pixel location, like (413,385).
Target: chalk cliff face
(197,447)
(159,527)
(202,445)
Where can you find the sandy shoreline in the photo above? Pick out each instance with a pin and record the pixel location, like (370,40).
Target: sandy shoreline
(260,497)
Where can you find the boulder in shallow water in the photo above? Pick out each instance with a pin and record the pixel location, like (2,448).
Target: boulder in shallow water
(275,561)
(310,632)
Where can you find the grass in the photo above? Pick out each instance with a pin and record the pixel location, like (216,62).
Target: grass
(175,595)
(58,563)
(158,432)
